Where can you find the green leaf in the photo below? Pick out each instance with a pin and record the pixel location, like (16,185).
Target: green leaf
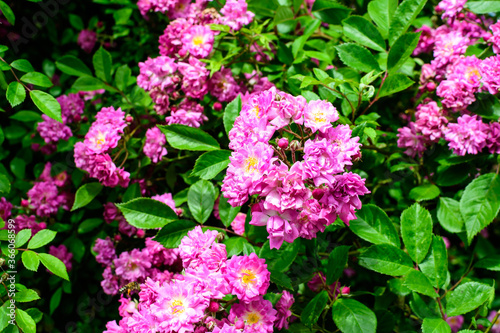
(280,260)
(26,116)
(231,113)
(416,231)
(491,263)
(54,265)
(145,213)
(386,259)
(4,184)
(89,225)
(88,83)
(227,212)
(201,199)
(418,282)
(407,11)
(448,215)
(18,167)
(122,16)
(480,203)
(37,79)
(381,12)
(16,93)
(4,316)
(395,83)
(424,192)
(73,66)
(30,260)
(373,225)
(76,22)
(22,65)
(41,238)
(22,237)
(284,53)
(363,32)
(401,51)
(85,194)
(467,297)
(483,6)
(336,263)
(47,104)
(55,300)
(330,11)
(170,236)
(103,64)
(8,13)
(189,138)
(26,295)
(435,325)
(281,279)
(122,75)
(310,28)
(314,308)
(209,164)
(25,322)
(352,316)
(234,246)
(357,57)
(435,265)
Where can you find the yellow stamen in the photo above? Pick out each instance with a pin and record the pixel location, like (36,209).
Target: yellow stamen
(177,307)
(248,276)
(198,40)
(250,164)
(472,71)
(253,318)
(256,110)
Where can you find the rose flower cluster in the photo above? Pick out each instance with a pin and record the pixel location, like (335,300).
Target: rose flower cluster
(302,186)
(197,298)
(456,79)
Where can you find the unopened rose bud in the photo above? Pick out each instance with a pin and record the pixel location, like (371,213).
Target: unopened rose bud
(42,225)
(85,118)
(213,307)
(283,143)
(129,119)
(346,290)
(182,53)
(217,106)
(220,237)
(118,238)
(461,16)
(294,145)
(78,118)
(141,233)
(431,86)
(25,203)
(35,146)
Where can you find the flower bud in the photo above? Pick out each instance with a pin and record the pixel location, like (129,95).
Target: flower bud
(213,307)
(318,193)
(294,145)
(118,238)
(217,106)
(431,86)
(141,233)
(240,324)
(25,203)
(283,143)
(346,290)
(129,119)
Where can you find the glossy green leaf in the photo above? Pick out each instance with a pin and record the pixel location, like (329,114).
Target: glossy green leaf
(352,316)
(418,282)
(363,32)
(201,199)
(227,212)
(449,216)
(4,184)
(435,325)
(25,322)
(89,225)
(211,163)
(145,213)
(382,12)
(73,66)
(170,235)
(30,260)
(189,138)
(7,12)
(373,225)
(491,263)
(314,308)
(16,93)
(483,6)
(330,11)
(122,76)
(480,203)
(467,297)
(395,83)
(401,50)
(406,12)
(386,259)
(416,231)
(337,261)
(85,194)
(26,295)
(424,192)
(103,64)
(22,65)
(22,237)
(435,265)
(88,83)
(37,79)
(47,104)
(234,246)
(55,300)
(54,265)
(41,238)
(357,57)
(231,112)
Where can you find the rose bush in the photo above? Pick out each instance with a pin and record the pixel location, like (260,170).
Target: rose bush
(249,166)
